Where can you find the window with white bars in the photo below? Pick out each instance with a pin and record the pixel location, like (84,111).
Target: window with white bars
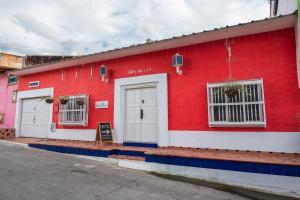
(74,112)
(245,109)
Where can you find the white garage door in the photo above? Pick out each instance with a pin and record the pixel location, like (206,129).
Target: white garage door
(141,115)
(35,118)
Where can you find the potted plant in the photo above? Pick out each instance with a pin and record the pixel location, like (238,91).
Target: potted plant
(79,102)
(49,99)
(63,100)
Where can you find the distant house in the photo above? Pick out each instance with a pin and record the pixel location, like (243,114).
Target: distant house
(33,60)
(8,88)
(282,7)
(229,88)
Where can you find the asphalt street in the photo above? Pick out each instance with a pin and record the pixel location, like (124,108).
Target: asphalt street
(31,174)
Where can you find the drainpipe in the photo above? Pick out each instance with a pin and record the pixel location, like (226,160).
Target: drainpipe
(297,38)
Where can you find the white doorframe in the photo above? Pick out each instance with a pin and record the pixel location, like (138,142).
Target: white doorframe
(162,104)
(31,94)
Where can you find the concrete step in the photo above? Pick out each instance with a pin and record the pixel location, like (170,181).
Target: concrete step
(127,157)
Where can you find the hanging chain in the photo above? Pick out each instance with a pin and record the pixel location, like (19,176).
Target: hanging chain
(228,47)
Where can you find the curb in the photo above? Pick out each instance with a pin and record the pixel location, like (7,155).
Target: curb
(243,191)
(13,143)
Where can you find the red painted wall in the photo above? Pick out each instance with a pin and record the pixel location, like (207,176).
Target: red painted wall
(270,56)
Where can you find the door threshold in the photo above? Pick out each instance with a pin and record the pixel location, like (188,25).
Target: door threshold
(140,144)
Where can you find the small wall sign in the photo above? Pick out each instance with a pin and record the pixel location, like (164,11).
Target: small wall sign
(52,127)
(101,104)
(139,71)
(34,84)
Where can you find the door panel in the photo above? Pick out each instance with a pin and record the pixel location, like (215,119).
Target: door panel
(149,121)
(132,109)
(35,118)
(28,113)
(141,115)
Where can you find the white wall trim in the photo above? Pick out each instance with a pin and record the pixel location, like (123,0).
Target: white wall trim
(73,134)
(27,95)
(162,104)
(288,142)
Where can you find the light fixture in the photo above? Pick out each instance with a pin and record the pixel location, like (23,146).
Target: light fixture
(103,73)
(177,61)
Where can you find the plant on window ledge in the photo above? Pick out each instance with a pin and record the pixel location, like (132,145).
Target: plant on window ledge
(79,102)
(64,100)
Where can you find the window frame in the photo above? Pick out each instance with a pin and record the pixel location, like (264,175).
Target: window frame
(245,123)
(85,111)
(14,82)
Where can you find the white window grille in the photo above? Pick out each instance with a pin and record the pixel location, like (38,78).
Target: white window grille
(73,113)
(246,109)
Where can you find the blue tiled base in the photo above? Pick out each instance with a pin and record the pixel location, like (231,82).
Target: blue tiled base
(250,167)
(72,150)
(136,144)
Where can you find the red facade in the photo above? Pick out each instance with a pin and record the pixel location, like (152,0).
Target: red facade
(270,56)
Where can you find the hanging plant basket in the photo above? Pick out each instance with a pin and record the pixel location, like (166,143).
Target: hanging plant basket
(64,100)
(49,100)
(231,92)
(232,89)
(80,102)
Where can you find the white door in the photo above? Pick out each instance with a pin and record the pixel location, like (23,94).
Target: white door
(35,118)
(141,115)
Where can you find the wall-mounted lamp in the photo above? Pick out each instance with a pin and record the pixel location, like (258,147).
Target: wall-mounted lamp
(103,73)
(177,61)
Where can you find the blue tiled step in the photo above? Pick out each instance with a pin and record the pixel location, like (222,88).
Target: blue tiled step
(250,167)
(128,153)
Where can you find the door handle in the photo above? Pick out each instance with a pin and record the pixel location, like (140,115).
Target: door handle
(142,114)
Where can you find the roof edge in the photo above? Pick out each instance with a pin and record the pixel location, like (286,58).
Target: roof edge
(254,27)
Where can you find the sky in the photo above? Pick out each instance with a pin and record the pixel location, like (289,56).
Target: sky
(79,27)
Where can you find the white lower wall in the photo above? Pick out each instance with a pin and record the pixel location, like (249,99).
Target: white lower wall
(288,142)
(73,134)
(269,183)
(254,141)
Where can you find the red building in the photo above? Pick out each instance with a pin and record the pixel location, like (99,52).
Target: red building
(149,102)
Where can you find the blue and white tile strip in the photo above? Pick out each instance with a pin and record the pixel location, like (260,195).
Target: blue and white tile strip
(250,167)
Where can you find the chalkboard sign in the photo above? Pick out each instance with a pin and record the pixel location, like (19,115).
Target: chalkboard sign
(104,133)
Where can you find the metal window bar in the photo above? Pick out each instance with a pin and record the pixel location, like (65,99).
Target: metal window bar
(247,108)
(72,113)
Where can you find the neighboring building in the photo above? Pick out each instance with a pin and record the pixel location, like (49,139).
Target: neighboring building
(9,84)
(148,101)
(8,88)
(282,7)
(32,60)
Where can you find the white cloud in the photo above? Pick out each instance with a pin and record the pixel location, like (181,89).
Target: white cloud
(87,26)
